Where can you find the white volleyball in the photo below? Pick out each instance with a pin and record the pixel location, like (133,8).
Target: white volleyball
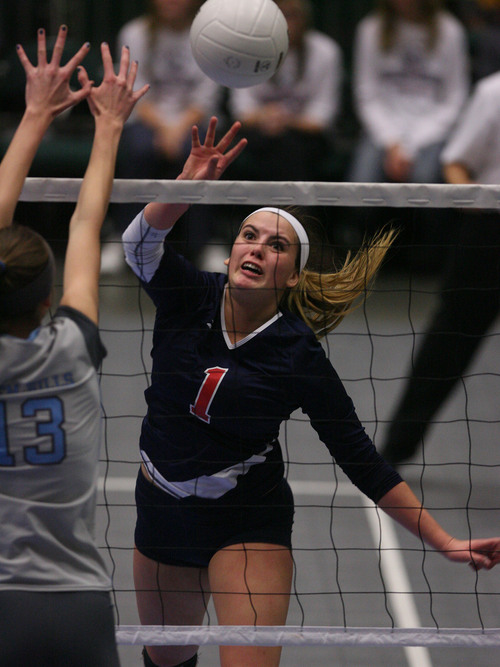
(239,43)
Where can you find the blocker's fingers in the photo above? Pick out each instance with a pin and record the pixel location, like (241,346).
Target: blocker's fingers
(59,46)
(24,60)
(41,47)
(124,62)
(132,73)
(107,60)
(141,92)
(83,79)
(77,59)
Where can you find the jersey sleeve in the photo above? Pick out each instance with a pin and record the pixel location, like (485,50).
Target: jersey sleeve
(334,418)
(143,247)
(171,281)
(90,333)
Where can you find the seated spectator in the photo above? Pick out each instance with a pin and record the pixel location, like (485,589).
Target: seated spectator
(289,119)
(411,80)
(157,139)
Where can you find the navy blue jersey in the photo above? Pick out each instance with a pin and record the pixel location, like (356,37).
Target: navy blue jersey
(215,409)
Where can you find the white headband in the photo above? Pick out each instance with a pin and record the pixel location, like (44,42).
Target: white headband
(297,227)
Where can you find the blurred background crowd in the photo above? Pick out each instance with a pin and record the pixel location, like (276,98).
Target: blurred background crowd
(371,90)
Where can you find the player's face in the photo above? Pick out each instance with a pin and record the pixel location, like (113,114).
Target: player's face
(264,254)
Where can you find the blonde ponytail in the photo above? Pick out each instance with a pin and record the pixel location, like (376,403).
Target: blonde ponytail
(322,298)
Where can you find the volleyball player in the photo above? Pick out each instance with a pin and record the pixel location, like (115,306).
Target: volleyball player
(234,356)
(54,588)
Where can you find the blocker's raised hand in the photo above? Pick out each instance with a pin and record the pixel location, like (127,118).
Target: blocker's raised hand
(115,96)
(47,83)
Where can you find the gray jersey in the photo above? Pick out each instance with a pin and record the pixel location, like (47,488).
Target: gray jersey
(50,436)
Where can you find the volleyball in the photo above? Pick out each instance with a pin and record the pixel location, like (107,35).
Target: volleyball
(239,43)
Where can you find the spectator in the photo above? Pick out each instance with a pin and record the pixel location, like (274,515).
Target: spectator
(157,139)
(289,119)
(410,83)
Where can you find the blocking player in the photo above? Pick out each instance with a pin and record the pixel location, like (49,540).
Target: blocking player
(54,586)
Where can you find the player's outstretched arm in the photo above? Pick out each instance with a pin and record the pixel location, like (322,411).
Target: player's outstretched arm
(206,161)
(401,504)
(47,95)
(111,104)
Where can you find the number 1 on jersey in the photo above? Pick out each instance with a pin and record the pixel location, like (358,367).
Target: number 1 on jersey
(214,377)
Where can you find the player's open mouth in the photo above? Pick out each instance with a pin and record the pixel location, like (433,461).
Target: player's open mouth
(253,268)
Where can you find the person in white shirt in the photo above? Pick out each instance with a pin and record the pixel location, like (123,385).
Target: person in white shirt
(473,153)
(157,138)
(289,120)
(159,130)
(411,80)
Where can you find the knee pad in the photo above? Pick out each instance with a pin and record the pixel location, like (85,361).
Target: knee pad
(187,663)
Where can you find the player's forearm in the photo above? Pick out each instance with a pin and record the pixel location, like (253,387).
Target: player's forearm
(401,504)
(98,180)
(81,268)
(164,216)
(17,161)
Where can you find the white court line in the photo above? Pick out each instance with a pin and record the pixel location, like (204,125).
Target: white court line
(391,562)
(396,579)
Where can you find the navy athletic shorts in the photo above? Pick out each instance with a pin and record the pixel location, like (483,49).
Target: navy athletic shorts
(189,531)
(50,629)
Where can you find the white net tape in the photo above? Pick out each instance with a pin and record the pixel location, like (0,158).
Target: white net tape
(281,193)
(229,635)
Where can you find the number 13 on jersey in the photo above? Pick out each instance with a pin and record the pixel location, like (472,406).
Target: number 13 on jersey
(47,445)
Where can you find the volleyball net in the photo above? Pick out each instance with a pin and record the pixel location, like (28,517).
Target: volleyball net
(359,579)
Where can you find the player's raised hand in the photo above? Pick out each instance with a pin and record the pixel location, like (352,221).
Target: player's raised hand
(209,160)
(115,97)
(47,83)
